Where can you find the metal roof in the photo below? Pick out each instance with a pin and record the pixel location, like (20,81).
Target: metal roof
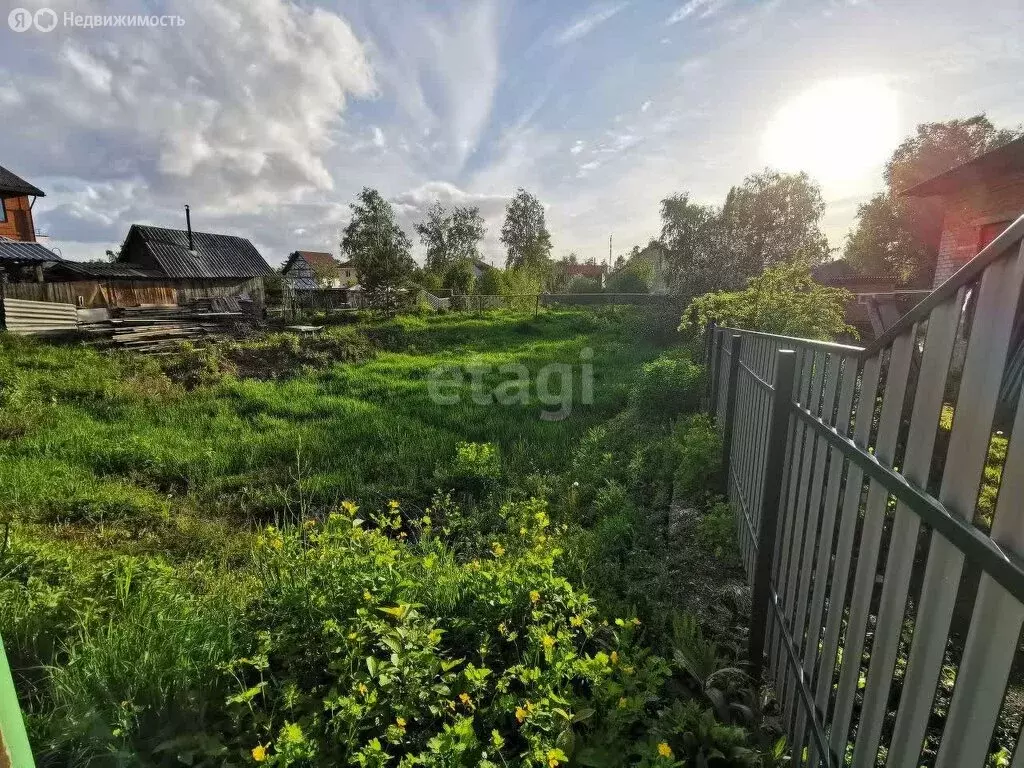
(213,256)
(106,270)
(11,183)
(16,250)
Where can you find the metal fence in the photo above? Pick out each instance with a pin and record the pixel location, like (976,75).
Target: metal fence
(883,573)
(37,317)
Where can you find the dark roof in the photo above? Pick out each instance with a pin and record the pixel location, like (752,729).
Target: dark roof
(1007,159)
(318,259)
(840,272)
(15,250)
(214,256)
(11,183)
(116,271)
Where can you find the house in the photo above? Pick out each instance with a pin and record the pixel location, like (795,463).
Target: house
(197,264)
(979,200)
(480,268)
(16,207)
(876,303)
(310,270)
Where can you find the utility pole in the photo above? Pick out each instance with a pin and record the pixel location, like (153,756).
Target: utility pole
(609,253)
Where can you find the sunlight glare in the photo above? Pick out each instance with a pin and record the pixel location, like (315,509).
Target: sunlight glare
(836,130)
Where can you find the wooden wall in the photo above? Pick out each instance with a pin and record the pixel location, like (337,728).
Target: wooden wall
(132,293)
(18,224)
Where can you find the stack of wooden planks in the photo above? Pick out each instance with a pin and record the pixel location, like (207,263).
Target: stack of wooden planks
(160,328)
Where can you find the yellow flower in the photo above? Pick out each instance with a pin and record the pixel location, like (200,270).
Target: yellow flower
(523,712)
(277,542)
(664,750)
(549,642)
(503,628)
(350,506)
(534,596)
(310,523)
(497,549)
(465,699)
(576,621)
(623,701)
(363,689)
(393,504)
(553,755)
(367,596)
(259,753)
(615,657)
(400,722)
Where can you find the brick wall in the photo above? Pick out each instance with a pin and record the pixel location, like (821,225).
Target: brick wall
(969,211)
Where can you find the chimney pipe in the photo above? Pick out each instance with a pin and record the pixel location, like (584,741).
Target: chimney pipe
(188,222)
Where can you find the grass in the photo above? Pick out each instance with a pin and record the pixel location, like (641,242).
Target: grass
(112,440)
(288,551)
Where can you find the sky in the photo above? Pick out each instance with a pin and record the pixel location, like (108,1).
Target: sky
(268,116)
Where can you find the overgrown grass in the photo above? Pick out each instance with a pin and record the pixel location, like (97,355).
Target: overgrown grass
(103,439)
(287,551)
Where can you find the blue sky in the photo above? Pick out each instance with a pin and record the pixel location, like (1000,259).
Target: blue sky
(268,116)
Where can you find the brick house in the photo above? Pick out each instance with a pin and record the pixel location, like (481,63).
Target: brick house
(980,199)
(16,207)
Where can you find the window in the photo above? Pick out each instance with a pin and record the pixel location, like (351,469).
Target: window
(989,232)
(3,210)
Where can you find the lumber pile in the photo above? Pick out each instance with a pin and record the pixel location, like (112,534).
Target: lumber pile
(153,329)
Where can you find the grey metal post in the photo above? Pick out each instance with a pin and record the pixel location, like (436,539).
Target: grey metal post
(778,430)
(730,407)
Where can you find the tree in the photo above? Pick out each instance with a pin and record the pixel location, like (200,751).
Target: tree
(900,235)
(634,277)
(459,277)
(326,274)
(771,219)
(784,300)
(694,241)
(885,241)
(490,282)
(451,235)
(378,247)
(525,233)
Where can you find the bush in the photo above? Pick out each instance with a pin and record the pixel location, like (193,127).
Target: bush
(784,299)
(666,387)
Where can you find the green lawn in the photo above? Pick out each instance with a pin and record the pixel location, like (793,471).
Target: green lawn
(93,437)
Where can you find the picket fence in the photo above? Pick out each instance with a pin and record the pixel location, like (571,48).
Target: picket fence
(876,582)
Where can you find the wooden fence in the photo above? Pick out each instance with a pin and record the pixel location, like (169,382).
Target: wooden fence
(883,572)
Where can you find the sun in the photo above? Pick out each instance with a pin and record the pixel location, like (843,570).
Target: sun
(836,130)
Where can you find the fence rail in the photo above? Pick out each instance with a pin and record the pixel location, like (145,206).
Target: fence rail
(882,571)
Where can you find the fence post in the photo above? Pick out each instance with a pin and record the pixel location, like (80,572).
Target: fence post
(774,465)
(730,407)
(716,370)
(14,747)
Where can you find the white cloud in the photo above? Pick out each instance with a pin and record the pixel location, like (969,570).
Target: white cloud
(577,147)
(646,105)
(702,8)
(378,137)
(233,112)
(582,27)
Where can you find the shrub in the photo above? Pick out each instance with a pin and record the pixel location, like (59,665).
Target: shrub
(666,387)
(784,299)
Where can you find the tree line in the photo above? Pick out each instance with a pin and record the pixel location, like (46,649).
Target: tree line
(773,220)
(770,220)
(382,252)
